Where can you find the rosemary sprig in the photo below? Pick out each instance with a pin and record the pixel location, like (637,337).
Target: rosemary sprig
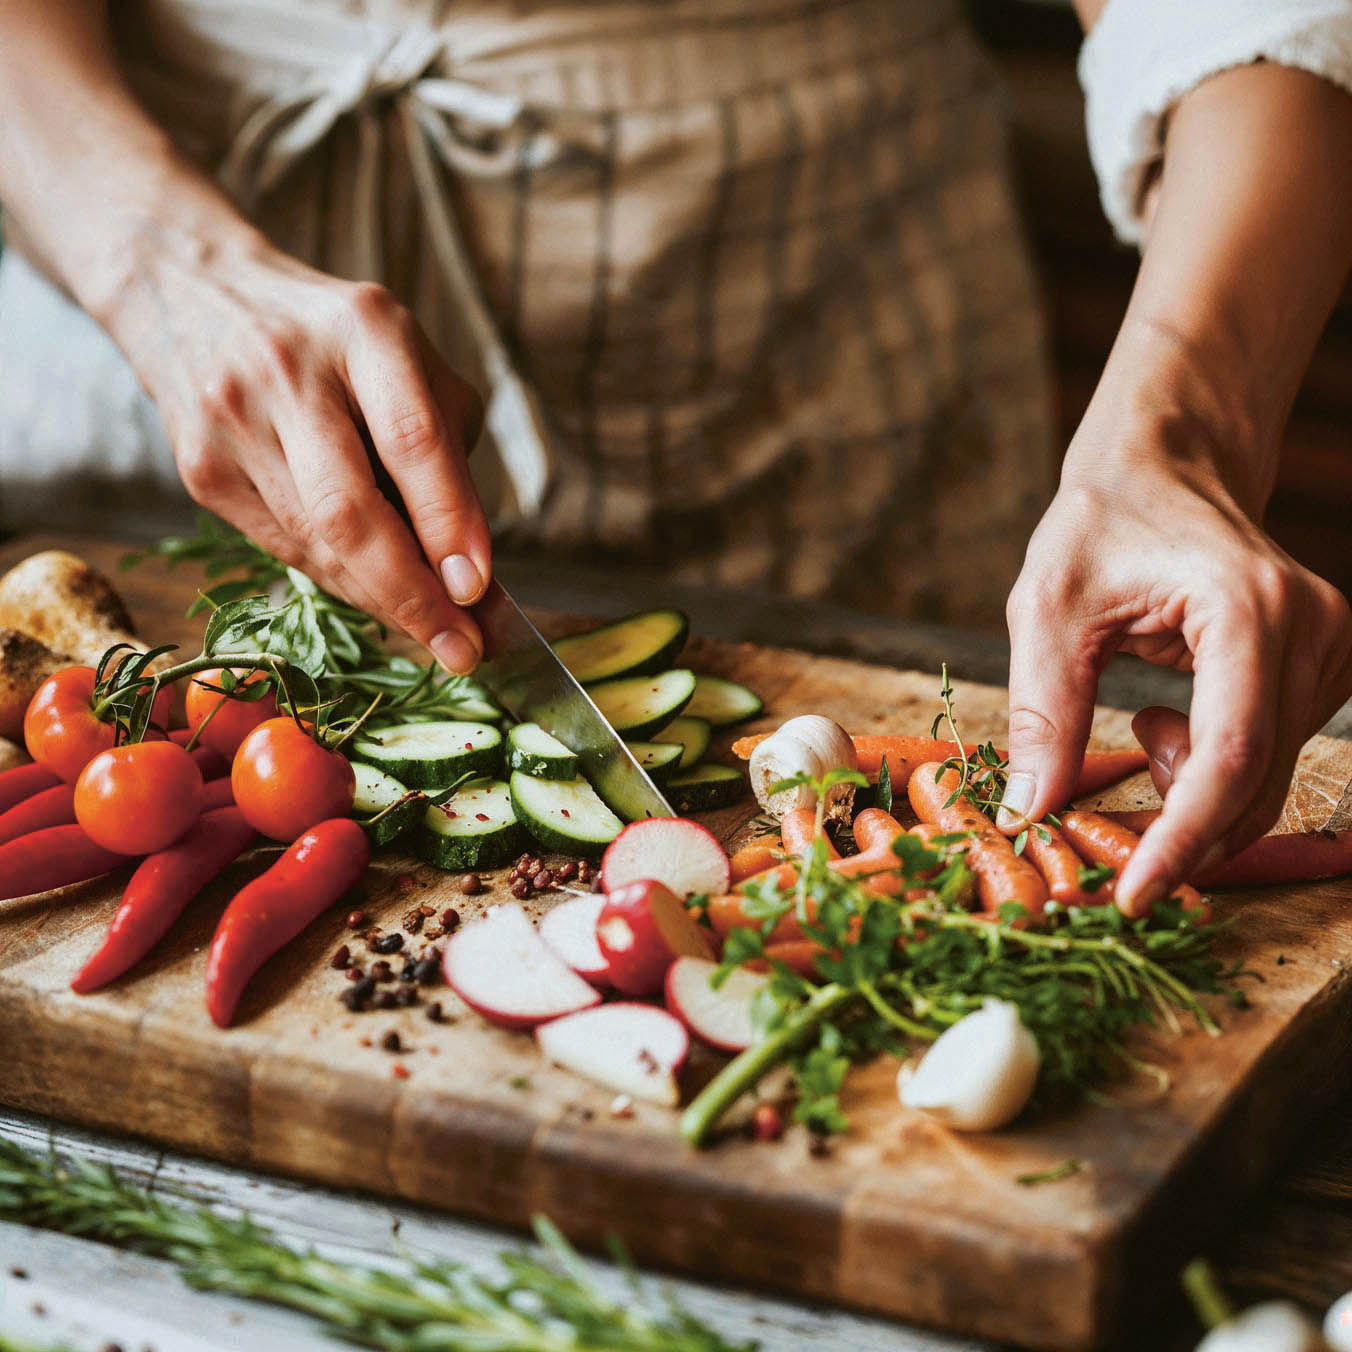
(547,1304)
(284,612)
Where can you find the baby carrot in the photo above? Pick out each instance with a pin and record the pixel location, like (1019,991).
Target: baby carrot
(798,828)
(1293,857)
(754,857)
(1058,864)
(1100,840)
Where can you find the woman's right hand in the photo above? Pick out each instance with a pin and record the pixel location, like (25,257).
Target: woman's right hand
(271,378)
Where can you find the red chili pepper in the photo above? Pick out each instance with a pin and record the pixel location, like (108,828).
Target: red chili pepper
(160,890)
(54,857)
(217,793)
(273,909)
(51,807)
(23,781)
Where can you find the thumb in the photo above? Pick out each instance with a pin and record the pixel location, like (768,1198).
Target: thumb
(1164,735)
(1052,684)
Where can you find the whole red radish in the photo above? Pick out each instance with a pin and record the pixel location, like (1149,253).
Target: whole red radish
(642,929)
(285,782)
(226,719)
(61,729)
(273,909)
(139,798)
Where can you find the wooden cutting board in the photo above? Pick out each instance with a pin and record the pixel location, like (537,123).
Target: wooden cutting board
(900,1217)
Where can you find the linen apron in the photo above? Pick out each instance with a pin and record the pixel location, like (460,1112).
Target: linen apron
(740,279)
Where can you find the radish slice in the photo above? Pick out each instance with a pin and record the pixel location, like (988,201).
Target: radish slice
(570,930)
(682,855)
(634,1049)
(501,968)
(721,1017)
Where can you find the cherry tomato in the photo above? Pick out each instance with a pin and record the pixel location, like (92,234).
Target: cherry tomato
(60,729)
(235,719)
(137,799)
(285,782)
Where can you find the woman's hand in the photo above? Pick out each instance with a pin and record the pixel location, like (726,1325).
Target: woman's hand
(1146,551)
(272,379)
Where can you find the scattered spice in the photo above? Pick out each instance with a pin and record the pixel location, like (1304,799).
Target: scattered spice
(413,921)
(390,1042)
(533,868)
(544,880)
(356,996)
(621,1106)
(400,1070)
(387,1000)
(426,911)
(435,1012)
(355,974)
(356,919)
(564,811)
(520,889)
(427,972)
(406,995)
(450,917)
(564,871)
(382,971)
(404,882)
(767,1123)
(19,1274)
(818,1145)
(584,872)
(389,943)
(471,884)
(341,958)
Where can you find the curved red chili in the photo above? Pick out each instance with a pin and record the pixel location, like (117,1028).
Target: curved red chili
(273,909)
(161,889)
(54,857)
(23,781)
(50,807)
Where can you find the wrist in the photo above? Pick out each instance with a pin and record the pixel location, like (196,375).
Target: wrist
(1172,403)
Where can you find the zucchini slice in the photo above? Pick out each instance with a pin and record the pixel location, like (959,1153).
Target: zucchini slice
(706,787)
(568,816)
(635,645)
(377,791)
(722,702)
(636,706)
(476,828)
(533,751)
(660,759)
(690,734)
(432,755)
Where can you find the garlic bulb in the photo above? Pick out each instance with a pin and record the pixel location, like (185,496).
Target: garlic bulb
(979,1074)
(809,744)
(1338,1324)
(1273,1326)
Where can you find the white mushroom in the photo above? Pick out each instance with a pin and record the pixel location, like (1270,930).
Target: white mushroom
(810,744)
(979,1074)
(1273,1326)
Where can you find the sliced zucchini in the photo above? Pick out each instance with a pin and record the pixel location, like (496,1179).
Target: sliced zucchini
(706,787)
(476,828)
(432,755)
(690,734)
(722,702)
(376,792)
(566,816)
(641,643)
(637,706)
(660,759)
(533,751)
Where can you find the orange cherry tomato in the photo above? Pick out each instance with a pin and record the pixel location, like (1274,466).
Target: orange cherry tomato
(139,798)
(234,719)
(60,728)
(285,782)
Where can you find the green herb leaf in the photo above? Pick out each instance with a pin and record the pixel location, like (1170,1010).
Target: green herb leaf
(883,794)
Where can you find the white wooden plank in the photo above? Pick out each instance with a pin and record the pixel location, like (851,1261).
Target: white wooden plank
(347,1226)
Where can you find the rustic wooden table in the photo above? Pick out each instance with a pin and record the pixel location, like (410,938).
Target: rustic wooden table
(1297,1240)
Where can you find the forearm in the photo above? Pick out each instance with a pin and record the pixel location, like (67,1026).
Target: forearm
(1249,245)
(90,183)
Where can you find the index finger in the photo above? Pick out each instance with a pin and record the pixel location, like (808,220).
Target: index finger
(1232,724)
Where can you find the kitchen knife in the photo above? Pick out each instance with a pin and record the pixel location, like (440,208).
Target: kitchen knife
(526,676)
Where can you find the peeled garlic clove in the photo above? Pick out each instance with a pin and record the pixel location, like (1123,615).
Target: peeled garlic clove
(1273,1326)
(979,1073)
(810,744)
(1338,1324)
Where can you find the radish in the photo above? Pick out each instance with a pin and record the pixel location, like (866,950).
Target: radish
(721,1017)
(634,1049)
(501,968)
(570,930)
(681,854)
(642,929)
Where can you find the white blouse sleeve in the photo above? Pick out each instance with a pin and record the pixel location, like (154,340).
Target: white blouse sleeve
(1144,55)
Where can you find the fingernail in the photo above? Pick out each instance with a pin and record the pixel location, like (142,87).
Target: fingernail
(1137,901)
(463,580)
(1017,799)
(455,652)
(1212,857)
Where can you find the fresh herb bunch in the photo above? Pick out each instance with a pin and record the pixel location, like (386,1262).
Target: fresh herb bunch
(280,610)
(895,972)
(536,1305)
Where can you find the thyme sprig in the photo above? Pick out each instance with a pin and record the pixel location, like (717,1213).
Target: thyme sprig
(546,1304)
(283,611)
(896,970)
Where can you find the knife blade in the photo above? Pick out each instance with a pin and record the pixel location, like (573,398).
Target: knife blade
(525,674)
